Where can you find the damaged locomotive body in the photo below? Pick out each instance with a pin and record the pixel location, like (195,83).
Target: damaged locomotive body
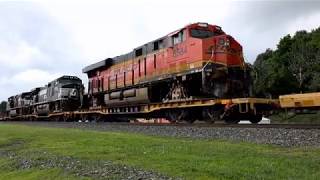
(197,61)
(62,94)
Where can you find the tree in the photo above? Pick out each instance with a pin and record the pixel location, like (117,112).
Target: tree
(293,67)
(3,107)
(262,70)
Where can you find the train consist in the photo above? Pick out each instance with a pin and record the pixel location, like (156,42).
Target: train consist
(195,73)
(62,94)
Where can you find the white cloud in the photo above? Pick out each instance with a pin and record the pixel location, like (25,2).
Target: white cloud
(40,40)
(106,29)
(304,23)
(18,54)
(35,76)
(25,81)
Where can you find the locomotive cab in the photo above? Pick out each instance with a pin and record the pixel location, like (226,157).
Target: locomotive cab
(212,61)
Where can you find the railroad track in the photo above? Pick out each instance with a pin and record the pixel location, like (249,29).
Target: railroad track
(287,126)
(200,125)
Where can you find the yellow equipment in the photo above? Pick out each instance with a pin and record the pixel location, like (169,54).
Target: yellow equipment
(300,100)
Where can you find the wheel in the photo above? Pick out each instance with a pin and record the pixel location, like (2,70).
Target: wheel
(254,119)
(210,115)
(232,116)
(176,115)
(231,120)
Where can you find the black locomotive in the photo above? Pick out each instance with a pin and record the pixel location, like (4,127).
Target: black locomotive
(62,94)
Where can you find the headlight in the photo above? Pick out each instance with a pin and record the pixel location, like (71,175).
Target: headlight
(227,44)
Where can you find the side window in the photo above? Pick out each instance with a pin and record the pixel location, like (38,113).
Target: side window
(179,37)
(155,45)
(138,52)
(158,45)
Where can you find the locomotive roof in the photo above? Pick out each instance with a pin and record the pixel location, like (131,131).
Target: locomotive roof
(98,65)
(37,89)
(110,61)
(66,77)
(20,95)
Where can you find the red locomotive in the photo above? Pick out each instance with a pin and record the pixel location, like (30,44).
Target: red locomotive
(196,61)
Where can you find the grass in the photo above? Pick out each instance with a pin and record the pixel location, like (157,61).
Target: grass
(32,174)
(296,118)
(187,158)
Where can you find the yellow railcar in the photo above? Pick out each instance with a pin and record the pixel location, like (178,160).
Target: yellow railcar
(306,100)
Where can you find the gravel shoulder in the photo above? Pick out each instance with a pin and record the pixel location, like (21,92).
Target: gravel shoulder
(79,168)
(275,136)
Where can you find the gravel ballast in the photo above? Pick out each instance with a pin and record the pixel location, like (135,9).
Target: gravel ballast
(98,169)
(276,136)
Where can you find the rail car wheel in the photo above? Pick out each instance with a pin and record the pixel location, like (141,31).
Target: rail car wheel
(211,115)
(232,119)
(254,119)
(55,118)
(176,115)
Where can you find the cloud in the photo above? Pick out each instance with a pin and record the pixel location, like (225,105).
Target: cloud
(25,81)
(40,40)
(107,29)
(18,55)
(259,25)
(35,77)
(33,46)
(263,16)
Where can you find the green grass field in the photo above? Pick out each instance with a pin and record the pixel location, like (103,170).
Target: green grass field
(186,158)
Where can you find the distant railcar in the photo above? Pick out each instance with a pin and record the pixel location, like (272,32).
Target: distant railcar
(296,101)
(62,94)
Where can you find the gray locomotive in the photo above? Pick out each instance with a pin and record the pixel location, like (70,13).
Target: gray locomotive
(60,95)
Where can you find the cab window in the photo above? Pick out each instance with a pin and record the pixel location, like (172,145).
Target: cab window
(178,38)
(202,33)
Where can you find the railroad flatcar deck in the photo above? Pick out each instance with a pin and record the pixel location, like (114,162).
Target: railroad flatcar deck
(242,107)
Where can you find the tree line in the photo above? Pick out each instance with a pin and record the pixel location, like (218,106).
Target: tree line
(293,67)
(3,106)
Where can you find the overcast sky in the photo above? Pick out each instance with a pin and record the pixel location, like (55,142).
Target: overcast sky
(41,40)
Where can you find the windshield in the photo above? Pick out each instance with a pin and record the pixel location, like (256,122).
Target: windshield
(200,33)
